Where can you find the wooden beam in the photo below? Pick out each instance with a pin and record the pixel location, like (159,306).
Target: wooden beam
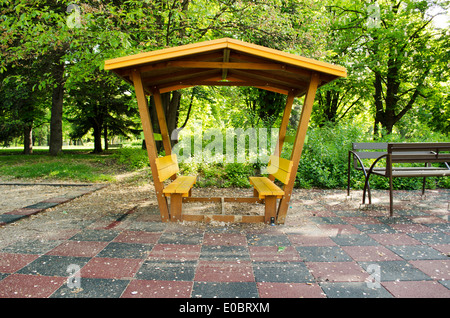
(162,121)
(298,145)
(150,143)
(283,126)
(226,59)
(227,65)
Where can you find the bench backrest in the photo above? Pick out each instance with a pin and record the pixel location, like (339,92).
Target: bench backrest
(280,168)
(419,152)
(167,166)
(368,150)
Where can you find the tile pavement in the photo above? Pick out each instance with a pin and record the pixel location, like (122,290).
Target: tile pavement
(331,252)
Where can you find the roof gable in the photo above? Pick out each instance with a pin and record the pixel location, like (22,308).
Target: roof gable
(224,62)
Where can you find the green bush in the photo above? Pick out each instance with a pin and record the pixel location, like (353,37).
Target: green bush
(132,158)
(324,160)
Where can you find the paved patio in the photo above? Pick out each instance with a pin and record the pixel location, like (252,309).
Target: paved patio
(330,247)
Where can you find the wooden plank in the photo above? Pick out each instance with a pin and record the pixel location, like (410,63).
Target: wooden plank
(298,145)
(167,166)
(283,126)
(270,209)
(225,199)
(162,121)
(150,143)
(175,207)
(265,187)
(227,65)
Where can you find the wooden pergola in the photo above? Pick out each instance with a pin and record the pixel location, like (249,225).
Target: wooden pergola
(224,62)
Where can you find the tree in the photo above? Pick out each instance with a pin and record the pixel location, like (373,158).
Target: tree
(104,105)
(394,48)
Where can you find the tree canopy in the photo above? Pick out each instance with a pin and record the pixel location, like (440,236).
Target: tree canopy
(53,52)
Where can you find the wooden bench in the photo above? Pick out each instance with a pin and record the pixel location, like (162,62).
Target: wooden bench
(399,153)
(267,190)
(180,187)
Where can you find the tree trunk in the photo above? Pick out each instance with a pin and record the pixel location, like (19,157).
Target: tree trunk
(28,139)
(105,136)
(56,138)
(97,138)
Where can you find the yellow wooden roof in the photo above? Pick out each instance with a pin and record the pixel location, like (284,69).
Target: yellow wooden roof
(224,62)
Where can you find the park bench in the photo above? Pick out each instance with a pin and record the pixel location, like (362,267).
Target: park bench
(399,153)
(180,187)
(267,190)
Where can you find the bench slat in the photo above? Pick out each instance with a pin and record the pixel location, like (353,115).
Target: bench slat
(265,187)
(167,166)
(182,184)
(280,168)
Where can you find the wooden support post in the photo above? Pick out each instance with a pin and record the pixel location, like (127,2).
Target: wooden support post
(283,126)
(175,206)
(150,143)
(162,121)
(270,208)
(298,145)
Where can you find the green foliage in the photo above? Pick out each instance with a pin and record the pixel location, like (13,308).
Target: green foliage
(131,158)
(324,161)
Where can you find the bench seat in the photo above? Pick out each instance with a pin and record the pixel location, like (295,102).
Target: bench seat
(182,185)
(266,187)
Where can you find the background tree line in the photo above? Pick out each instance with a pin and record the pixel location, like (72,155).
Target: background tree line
(51,70)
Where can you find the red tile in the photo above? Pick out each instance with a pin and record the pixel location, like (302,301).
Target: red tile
(175,252)
(29,286)
(417,289)
(370,253)
(338,229)
(215,271)
(224,239)
(78,248)
(394,239)
(360,220)
(140,237)
(310,240)
(10,263)
(24,211)
(290,290)
(337,271)
(116,268)
(436,269)
(158,289)
(274,254)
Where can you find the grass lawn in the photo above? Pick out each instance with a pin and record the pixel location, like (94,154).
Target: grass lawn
(71,165)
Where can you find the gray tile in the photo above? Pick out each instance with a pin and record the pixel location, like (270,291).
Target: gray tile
(93,288)
(167,270)
(51,265)
(125,250)
(396,271)
(416,252)
(375,228)
(353,290)
(95,235)
(432,238)
(354,240)
(323,254)
(283,272)
(267,240)
(30,247)
(224,290)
